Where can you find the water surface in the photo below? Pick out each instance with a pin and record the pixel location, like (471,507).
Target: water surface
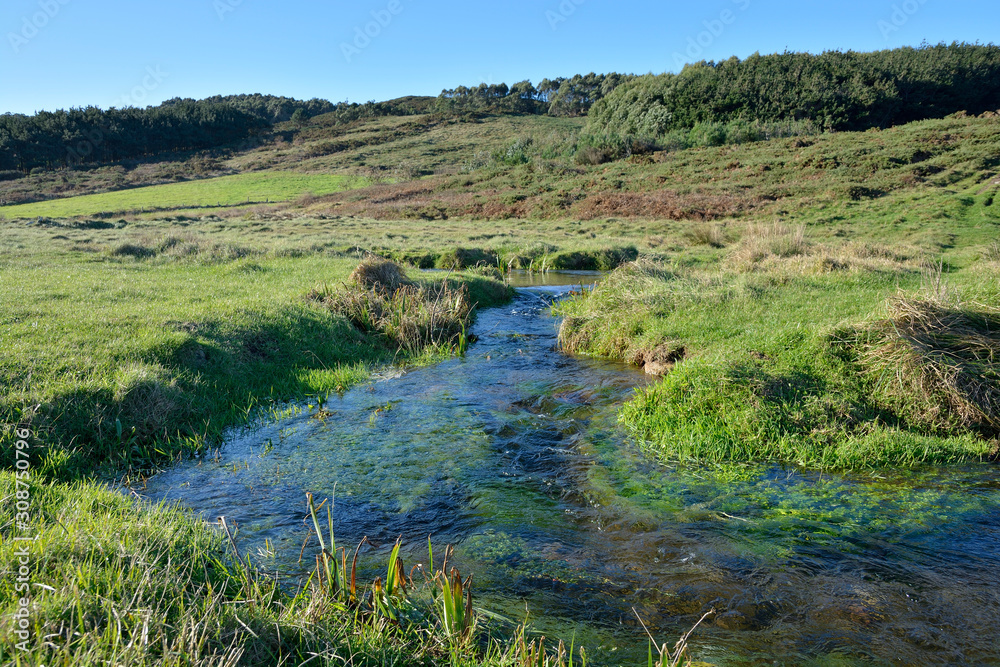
(513,455)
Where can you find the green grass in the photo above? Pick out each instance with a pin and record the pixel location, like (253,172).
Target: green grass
(763,374)
(124,344)
(138,585)
(222,191)
(129,361)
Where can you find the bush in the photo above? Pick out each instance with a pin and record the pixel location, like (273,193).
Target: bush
(591,155)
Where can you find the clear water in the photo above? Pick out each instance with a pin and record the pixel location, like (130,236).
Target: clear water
(513,455)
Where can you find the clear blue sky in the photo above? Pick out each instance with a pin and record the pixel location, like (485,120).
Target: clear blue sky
(63,53)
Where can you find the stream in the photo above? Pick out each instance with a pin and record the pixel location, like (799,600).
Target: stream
(513,455)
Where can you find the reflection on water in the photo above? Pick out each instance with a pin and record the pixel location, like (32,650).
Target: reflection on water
(513,454)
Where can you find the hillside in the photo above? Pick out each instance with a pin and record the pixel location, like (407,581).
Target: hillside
(807,302)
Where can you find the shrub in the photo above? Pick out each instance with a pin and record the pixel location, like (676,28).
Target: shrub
(591,155)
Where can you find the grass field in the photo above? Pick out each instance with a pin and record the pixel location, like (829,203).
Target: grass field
(763,291)
(220,192)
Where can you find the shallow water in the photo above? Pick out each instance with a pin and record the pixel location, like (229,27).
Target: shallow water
(513,455)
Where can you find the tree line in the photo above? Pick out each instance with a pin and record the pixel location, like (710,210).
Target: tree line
(56,139)
(835,90)
(573,96)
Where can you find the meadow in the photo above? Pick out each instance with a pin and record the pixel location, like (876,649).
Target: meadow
(221,192)
(762,280)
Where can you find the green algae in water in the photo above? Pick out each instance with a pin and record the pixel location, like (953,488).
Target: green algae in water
(514,455)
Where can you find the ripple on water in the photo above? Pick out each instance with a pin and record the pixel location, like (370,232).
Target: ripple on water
(513,454)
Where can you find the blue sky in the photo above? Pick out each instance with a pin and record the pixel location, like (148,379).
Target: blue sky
(63,53)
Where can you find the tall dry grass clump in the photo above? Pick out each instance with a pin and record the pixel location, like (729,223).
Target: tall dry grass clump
(611,319)
(761,242)
(706,233)
(936,364)
(379,274)
(381,300)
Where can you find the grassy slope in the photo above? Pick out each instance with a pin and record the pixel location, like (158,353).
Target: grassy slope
(205,315)
(759,314)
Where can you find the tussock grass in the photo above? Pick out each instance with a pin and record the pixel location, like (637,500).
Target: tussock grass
(761,242)
(148,400)
(992,253)
(937,364)
(181,247)
(380,275)
(710,234)
(407,316)
(604,321)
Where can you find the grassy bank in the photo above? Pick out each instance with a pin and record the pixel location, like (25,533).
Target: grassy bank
(830,353)
(121,583)
(118,361)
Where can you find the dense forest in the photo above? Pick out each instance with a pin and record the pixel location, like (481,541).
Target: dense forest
(50,140)
(271,108)
(61,138)
(834,91)
(557,97)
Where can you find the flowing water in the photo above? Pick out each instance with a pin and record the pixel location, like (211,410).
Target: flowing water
(513,455)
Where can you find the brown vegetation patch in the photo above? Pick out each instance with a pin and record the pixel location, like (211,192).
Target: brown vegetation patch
(659,360)
(663,204)
(381,275)
(937,364)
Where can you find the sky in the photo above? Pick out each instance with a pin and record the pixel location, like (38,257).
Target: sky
(57,54)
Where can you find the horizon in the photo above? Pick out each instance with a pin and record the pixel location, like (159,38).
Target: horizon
(59,54)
